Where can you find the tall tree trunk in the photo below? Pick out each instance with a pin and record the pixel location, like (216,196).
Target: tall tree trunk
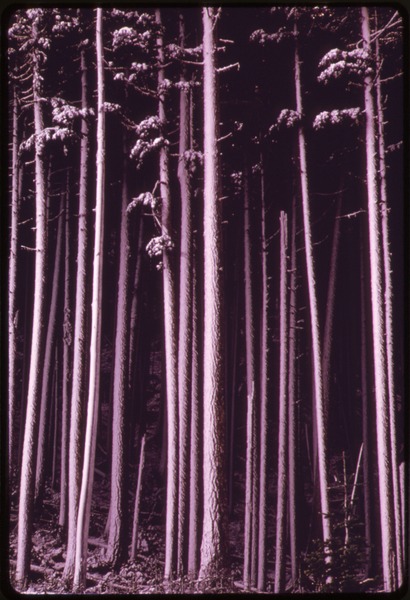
(117,540)
(250,485)
(389,558)
(135,308)
(283,411)
(314,316)
(264,350)
(80,336)
(185,309)
(47,367)
(28,464)
(12,298)
(214,533)
(170,336)
(292,406)
(135,524)
(84,506)
(67,341)
(388,304)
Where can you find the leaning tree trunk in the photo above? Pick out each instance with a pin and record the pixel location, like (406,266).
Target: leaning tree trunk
(214,532)
(185,309)
(388,303)
(80,336)
(12,295)
(117,537)
(47,367)
(283,411)
(28,460)
(314,316)
(389,558)
(170,336)
(84,506)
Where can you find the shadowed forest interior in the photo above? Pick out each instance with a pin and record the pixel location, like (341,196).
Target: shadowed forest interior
(205,299)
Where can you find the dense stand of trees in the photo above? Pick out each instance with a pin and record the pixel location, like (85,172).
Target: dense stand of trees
(210,199)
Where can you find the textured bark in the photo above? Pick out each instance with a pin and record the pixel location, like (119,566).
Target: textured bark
(135,523)
(66,383)
(214,532)
(389,558)
(84,506)
(388,304)
(283,411)
(264,350)
(292,405)
(27,481)
(117,541)
(170,335)
(47,368)
(314,316)
(80,337)
(12,299)
(250,483)
(185,310)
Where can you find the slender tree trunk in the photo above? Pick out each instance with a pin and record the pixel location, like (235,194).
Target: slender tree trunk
(54,418)
(47,367)
(84,506)
(292,405)
(214,533)
(67,341)
(250,485)
(388,304)
(314,316)
(283,411)
(195,437)
(264,346)
(170,338)
(389,558)
(118,504)
(135,308)
(28,465)
(185,309)
(80,337)
(135,524)
(13,268)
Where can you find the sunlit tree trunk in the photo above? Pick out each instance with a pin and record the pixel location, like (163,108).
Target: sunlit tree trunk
(28,460)
(78,391)
(12,298)
(389,558)
(117,537)
(314,316)
(137,503)
(185,309)
(87,477)
(214,533)
(170,338)
(283,411)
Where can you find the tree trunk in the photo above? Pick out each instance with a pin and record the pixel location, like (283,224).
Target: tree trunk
(389,557)
(80,336)
(84,506)
(47,367)
(314,316)
(170,337)
(67,341)
(388,304)
(185,309)
(117,541)
(28,465)
(264,350)
(283,411)
(214,533)
(135,523)
(12,307)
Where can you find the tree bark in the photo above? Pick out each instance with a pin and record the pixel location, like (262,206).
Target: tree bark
(214,532)
(170,332)
(84,506)
(378,330)
(28,465)
(135,523)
